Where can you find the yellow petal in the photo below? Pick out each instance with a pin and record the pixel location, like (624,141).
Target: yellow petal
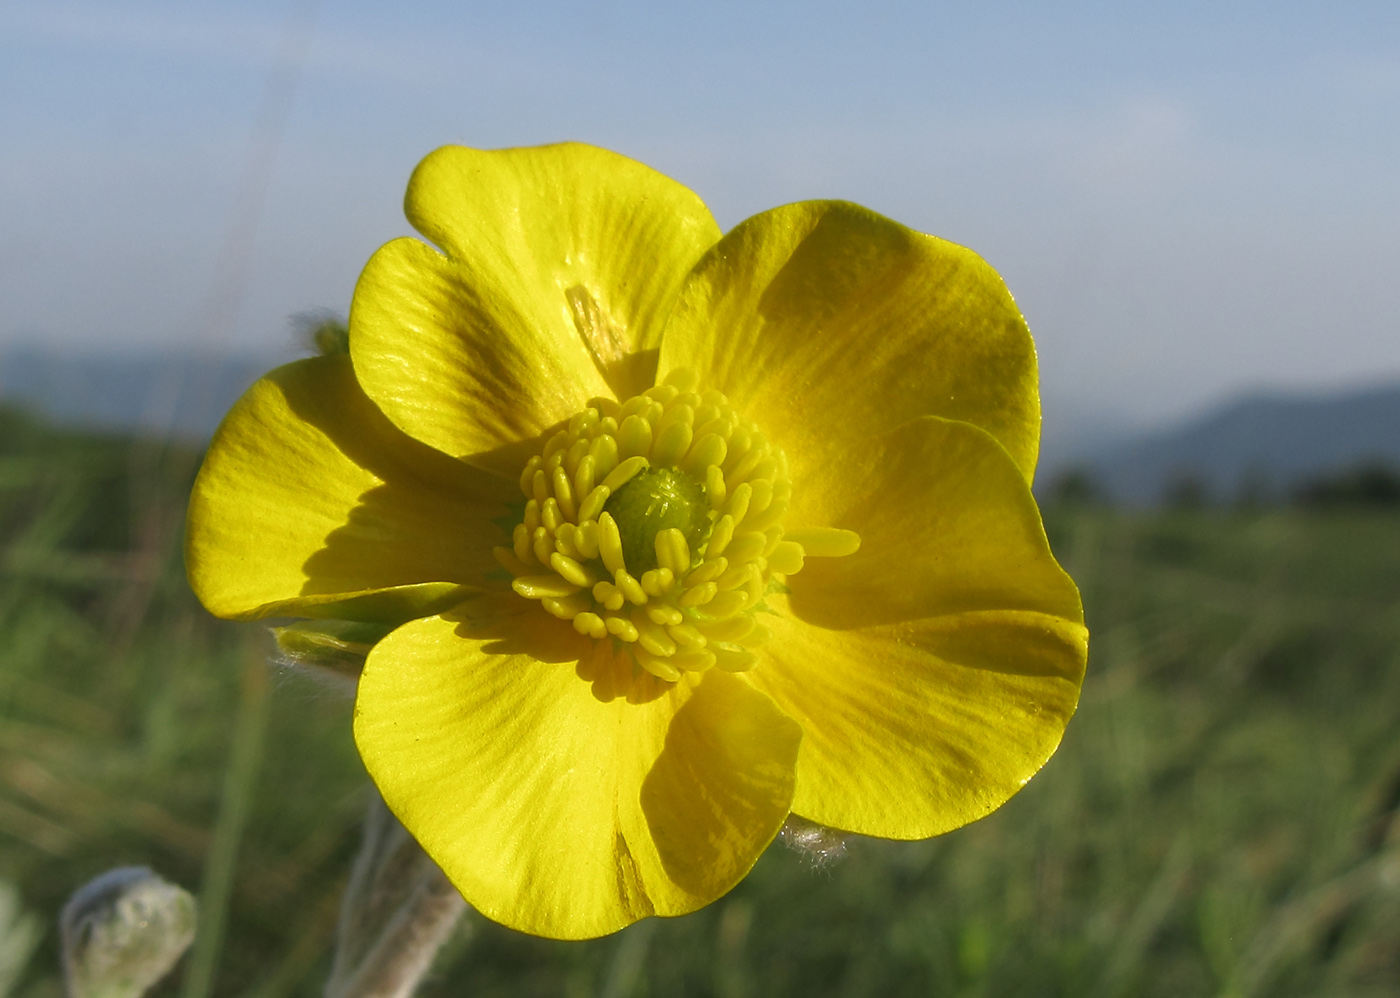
(824,322)
(558,266)
(562,805)
(946,524)
(912,730)
(933,671)
(311,503)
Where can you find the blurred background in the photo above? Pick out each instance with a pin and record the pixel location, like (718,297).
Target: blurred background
(1196,207)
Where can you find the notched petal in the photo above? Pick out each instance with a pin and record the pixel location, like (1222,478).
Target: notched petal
(558,267)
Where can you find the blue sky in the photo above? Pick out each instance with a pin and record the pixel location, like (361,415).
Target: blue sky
(1188,200)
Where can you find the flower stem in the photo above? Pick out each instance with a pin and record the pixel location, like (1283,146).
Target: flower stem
(398,910)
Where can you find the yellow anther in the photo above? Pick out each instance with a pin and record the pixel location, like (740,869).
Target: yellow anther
(653,637)
(738,447)
(610,543)
(622,627)
(609,596)
(672,441)
(762,495)
(683,379)
(590,625)
(786,558)
(532,516)
(567,607)
(540,586)
(693,659)
(577,453)
(732,659)
(583,478)
(764,470)
(662,393)
(707,450)
(603,450)
(715,489)
(623,473)
(699,595)
(564,540)
(542,544)
(564,494)
(753,589)
(527,477)
(593,505)
(539,486)
(739,502)
(746,546)
(735,577)
(571,570)
(558,442)
(658,581)
(774,514)
(606,406)
(630,587)
(719,426)
(677,411)
(707,572)
(586,539)
(686,634)
(728,629)
(728,603)
(826,542)
(758,450)
(550,514)
(580,422)
(664,615)
(634,437)
(672,551)
(635,406)
(658,666)
(720,537)
(506,558)
(520,538)
(608,424)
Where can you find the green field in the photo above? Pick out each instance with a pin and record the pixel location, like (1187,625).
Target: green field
(1221,819)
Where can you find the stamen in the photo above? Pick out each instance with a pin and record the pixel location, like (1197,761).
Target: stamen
(656,523)
(826,542)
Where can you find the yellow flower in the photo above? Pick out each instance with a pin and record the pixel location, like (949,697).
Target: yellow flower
(662,535)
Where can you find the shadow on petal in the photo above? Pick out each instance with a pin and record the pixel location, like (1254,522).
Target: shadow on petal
(722,786)
(503,623)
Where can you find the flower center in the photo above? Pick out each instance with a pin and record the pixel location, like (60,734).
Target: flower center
(657,522)
(654,500)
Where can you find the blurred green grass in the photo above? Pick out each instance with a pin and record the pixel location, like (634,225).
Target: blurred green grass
(1221,819)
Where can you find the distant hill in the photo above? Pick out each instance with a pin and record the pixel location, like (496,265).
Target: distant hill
(181,395)
(1265,445)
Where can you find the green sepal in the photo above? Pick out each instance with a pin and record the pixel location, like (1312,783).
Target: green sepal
(337,645)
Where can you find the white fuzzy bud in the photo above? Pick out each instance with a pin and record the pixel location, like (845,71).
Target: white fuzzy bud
(122,932)
(819,845)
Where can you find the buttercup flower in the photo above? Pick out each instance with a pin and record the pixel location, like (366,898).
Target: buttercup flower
(656,536)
